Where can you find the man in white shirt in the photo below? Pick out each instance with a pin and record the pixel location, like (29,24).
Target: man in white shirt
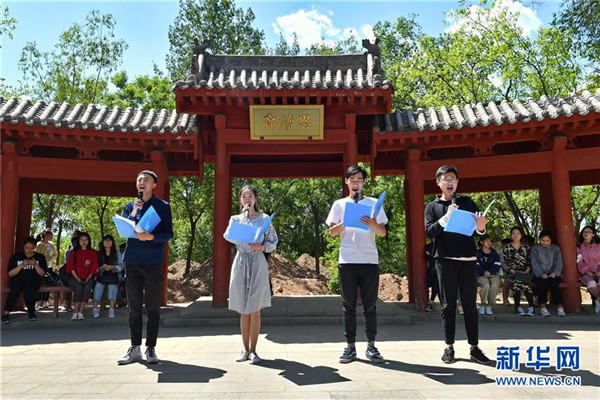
(358,263)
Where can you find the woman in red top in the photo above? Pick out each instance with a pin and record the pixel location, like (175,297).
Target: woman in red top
(83,268)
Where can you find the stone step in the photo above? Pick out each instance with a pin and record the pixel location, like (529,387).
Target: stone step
(272,321)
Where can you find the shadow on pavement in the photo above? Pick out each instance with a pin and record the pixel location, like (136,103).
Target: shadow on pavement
(173,372)
(302,374)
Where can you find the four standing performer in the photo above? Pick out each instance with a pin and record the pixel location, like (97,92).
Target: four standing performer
(456,261)
(249,288)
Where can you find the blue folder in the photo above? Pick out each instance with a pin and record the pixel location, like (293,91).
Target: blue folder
(248,233)
(149,220)
(462,222)
(353,212)
(127,228)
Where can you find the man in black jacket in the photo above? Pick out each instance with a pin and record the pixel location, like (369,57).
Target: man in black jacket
(455,257)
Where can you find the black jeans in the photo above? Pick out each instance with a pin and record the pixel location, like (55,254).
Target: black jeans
(542,289)
(458,277)
(29,288)
(365,277)
(138,277)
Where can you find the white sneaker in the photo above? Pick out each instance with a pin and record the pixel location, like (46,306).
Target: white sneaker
(95,313)
(530,312)
(481,310)
(254,358)
(151,357)
(74,317)
(560,312)
(243,356)
(520,311)
(111,313)
(544,312)
(80,316)
(488,310)
(460,310)
(597,307)
(134,354)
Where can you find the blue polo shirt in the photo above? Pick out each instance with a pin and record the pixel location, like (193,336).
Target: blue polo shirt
(150,252)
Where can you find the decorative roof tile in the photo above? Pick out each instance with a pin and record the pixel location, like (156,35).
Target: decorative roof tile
(347,71)
(94,117)
(483,115)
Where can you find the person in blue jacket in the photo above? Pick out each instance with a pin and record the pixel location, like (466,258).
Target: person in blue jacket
(143,267)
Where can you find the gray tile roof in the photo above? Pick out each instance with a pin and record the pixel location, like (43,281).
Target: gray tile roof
(484,115)
(355,71)
(96,117)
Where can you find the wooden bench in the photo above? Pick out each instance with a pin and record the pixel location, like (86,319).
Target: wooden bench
(56,290)
(49,289)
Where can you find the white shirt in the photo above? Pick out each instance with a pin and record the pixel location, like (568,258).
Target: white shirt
(357,246)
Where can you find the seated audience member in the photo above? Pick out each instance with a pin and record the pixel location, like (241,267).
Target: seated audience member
(46,248)
(488,265)
(74,240)
(516,262)
(109,274)
(25,270)
(83,267)
(588,263)
(547,265)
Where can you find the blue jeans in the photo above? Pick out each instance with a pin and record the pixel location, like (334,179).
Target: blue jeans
(99,289)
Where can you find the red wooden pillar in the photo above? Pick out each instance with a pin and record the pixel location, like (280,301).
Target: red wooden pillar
(8,206)
(159,165)
(416,195)
(24,213)
(547,204)
(222,248)
(408,226)
(565,238)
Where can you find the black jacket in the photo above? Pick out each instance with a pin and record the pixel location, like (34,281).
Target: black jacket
(447,244)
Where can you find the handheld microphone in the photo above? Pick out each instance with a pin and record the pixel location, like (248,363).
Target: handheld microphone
(140,196)
(453,201)
(356,197)
(247,212)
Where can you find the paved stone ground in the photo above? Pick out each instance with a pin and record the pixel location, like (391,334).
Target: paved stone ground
(300,362)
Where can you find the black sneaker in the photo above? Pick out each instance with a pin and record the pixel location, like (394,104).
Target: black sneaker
(477,355)
(448,356)
(32,317)
(348,355)
(429,307)
(373,354)
(5,319)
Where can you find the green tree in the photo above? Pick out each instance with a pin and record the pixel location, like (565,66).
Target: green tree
(193,206)
(349,45)
(582,19)
(284,49)
(144,92)
(79,66)
(228,28)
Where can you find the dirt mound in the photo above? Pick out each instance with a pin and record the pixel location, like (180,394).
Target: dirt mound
(392,287)
(287,277)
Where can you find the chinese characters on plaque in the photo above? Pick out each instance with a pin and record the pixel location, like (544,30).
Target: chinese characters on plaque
(286,122)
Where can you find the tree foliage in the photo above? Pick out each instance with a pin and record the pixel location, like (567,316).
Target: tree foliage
(228,28)
(78,68)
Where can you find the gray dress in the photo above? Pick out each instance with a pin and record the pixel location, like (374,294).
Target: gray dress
(249,289)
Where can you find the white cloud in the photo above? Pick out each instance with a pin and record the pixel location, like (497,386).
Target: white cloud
(527,20)
(495,80)
(313,27)
(367,32)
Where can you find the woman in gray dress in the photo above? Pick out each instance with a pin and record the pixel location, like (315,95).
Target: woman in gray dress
(249,288)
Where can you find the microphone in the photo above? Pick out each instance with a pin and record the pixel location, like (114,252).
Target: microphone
(247,212)
(356,197)
(140,196)
(453,201)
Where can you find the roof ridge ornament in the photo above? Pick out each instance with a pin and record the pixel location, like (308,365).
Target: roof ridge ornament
(375,51)
(198,50)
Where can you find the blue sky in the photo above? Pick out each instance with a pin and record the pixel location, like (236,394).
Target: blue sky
(144,24)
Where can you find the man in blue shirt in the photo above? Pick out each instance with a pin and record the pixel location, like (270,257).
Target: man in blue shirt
(143,258)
